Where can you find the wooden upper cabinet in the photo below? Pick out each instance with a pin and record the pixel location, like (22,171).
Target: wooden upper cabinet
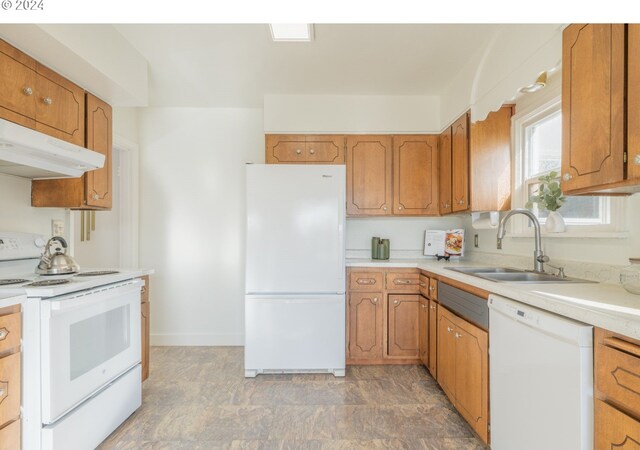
(593,108)
(99,139)
(17,86)
(415,175)
(633,103)
(60,108)
(460,164)
(444,161)
(369,175)
(304,149)
(490,161)
(365,325)
(403,336)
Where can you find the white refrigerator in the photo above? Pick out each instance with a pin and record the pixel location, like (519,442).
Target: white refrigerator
(295,269)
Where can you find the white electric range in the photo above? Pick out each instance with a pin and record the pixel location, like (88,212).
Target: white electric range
(80,348)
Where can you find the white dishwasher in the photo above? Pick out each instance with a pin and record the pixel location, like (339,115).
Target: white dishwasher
(541,379)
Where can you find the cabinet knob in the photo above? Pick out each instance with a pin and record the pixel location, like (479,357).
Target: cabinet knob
(399,207)
(432,307)
(384,208)
(312,151)
(567,176)
(47,101)
(395,302)
(423,306)
(422,284)
(95,196)
(461,202)
(27,91)
(375,300)
(2,392)
(449,329)
(3,334)
(636,160)
(446,205)
(458,335)
(298,152)
(431,288)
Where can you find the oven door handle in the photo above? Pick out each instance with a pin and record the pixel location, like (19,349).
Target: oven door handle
(94,296)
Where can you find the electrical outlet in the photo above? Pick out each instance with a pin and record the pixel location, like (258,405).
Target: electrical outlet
(57,227)
(475,241)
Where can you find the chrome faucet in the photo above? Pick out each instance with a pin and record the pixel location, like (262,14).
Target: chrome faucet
(538,257)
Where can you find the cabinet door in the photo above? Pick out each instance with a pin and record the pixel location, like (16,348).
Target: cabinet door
(490,160)
(444,162)
(99,132)
(145,310)
(415,175)
(10,436)
(325,149)
(59,106)
(10,387)
(369,175)
(433,338)
(460,164)
(472,375)
(633,101)
(285,149)
(423,324)
(403,326)
(446,353)
(365,325)
(593,78)
(17,90)
(615,430)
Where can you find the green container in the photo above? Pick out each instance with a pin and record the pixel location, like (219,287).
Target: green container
(375,242)
(384,249)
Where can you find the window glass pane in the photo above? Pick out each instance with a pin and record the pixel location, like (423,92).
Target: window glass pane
(544,145)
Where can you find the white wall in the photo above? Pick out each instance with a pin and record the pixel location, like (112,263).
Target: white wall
(192,219)
(351,114)
(16,213)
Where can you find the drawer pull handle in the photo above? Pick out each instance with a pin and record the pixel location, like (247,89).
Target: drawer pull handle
(3,334)
(423,284)
(401,281)
(366,281)
(623,346)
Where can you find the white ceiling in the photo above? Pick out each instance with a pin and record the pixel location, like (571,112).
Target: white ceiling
(235,65)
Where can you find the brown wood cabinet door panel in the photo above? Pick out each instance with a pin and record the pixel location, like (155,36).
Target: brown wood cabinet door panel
(593,78)
(145,314)
(490,161)
(99,139)
(472,375)
(446,354)
(10,332)
(365,281)
(617,375)
(633,101)
(325,149)
(423,326)
(615,430)
(403,282)
(10,436)
(59,106)
(17,86)
(365,325)
(369,175)
(10,387)
(285,149)
(424,285)
(415,175)
(460,164)
(403,325)
(444,162)
(433,338)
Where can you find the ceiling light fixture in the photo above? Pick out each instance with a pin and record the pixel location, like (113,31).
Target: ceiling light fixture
(541,82)
(291,32)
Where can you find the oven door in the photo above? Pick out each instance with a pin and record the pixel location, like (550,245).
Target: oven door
(88,339)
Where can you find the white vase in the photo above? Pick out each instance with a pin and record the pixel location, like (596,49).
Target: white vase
(555,223)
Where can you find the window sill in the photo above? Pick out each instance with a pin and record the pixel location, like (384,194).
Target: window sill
(575,235)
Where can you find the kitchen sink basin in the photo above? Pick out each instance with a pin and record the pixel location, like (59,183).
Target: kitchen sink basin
(508,275)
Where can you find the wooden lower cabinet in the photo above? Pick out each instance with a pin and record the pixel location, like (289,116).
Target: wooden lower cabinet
(10,377)
(365,325)
(10,436)
(403,325)
(463,369)
(145,310)
(614,429)
(423,330)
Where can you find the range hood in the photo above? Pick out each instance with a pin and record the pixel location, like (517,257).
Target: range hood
(31,154)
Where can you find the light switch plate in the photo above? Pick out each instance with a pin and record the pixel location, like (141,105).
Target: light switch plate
(57,227)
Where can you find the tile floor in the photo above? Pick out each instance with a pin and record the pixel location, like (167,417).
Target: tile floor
(198,398)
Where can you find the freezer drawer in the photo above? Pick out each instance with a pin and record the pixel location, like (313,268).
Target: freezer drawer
(295,334)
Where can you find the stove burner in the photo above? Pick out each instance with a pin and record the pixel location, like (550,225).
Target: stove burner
(9,281)
(47,283)
(97,273)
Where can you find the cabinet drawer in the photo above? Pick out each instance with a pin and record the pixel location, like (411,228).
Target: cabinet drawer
(9,388)
(365,281)
(403,282)
(617,372)
(424,285)
(433,289)
(10,326)
(613,429)
(10,436)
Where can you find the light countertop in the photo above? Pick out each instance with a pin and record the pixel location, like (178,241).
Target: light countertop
(603,305)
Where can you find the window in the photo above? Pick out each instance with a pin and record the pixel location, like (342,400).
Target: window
(538,149)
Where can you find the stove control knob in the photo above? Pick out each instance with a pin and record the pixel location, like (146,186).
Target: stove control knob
(39,242)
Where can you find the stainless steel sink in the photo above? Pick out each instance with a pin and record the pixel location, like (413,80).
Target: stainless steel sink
(508,275)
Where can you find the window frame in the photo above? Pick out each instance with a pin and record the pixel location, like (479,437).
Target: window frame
(612,208)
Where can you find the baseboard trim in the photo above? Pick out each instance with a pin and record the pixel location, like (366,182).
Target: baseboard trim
(197,340)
